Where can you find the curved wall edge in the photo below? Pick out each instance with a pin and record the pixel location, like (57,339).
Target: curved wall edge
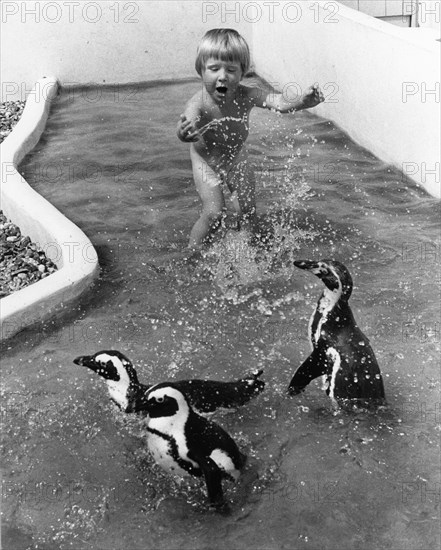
(62,241)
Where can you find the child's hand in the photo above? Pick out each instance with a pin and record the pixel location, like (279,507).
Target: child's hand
(186,130)
(312,97)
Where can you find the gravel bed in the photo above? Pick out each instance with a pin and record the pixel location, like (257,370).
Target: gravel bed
(21,262)
(10,113)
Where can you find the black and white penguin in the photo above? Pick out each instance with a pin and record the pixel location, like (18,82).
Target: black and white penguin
(183,442)
(204,395)
(120,376)
(340,350)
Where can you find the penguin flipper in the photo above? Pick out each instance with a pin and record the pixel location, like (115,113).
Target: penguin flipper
(207,396)
(314,366)
(230,395)
(213,479)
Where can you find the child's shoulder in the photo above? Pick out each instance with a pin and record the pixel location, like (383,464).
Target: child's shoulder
(197,99)
(194,106)
(256,88)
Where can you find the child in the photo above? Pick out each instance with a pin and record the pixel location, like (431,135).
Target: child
(215,122)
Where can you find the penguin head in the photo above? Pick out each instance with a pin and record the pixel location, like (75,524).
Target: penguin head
(116,369)
(334,275)
(165,401)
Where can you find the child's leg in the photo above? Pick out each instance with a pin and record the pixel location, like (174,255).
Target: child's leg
(208,185)
(241,183)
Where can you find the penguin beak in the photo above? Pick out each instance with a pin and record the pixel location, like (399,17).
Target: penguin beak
(107,370)
(319,269)
(85,361)
(139,402)
(149,407)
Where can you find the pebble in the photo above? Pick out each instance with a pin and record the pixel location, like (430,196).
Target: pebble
(10,113)
(21,263)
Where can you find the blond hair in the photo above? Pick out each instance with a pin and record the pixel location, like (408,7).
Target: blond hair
(224,44)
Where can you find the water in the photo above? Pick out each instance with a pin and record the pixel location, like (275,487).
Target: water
(76,472)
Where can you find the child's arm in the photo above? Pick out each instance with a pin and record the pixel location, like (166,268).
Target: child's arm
(187,130)
(312,97)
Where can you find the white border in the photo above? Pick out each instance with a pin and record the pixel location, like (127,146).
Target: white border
(61,239)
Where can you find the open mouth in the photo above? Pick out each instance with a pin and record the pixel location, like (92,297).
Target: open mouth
(222,90)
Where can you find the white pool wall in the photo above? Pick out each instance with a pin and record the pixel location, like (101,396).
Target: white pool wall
(381,81)
(101,42)
(66,245)
(429,14)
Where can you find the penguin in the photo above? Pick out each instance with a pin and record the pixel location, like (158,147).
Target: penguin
(204,395)
(184,443)
(120,375)
(340,350)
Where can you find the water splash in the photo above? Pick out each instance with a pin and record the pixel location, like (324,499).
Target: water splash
(217,122)
(240,259)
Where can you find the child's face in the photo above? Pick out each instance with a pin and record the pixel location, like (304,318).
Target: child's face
(221,78)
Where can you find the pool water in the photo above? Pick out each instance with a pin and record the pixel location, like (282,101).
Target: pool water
(76,471)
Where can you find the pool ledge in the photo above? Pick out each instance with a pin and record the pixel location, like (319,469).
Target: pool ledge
(63,242)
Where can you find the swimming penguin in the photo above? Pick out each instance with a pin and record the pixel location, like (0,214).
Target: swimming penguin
(204,395)
(183,442)
(340,351)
